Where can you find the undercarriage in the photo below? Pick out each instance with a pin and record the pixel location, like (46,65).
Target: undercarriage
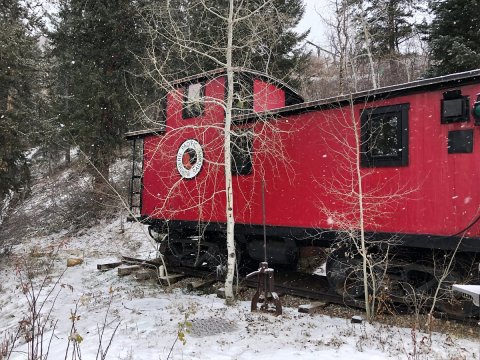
(421,280)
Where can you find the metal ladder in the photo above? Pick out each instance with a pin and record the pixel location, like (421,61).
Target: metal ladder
(136,181)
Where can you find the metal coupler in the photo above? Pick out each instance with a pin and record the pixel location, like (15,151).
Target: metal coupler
(266,285)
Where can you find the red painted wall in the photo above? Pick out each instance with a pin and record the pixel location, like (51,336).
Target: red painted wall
(306,161)
(267,96)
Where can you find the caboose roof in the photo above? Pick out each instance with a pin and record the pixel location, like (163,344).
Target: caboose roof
(244,71)
(423,85)
(289,91)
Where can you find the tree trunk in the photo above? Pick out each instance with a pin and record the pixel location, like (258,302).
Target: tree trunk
(101,174)
(368,43)
(229,295)
(67,154)
(363,247)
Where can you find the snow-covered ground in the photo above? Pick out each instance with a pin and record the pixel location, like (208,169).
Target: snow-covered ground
(147,316)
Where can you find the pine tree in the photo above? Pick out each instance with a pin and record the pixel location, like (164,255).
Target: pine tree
(454,36)
(19,56)
(277,51)
(94,47)
(391,23)
(383,27)
(266,42)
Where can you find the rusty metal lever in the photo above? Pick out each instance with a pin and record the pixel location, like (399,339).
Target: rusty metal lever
(266,284)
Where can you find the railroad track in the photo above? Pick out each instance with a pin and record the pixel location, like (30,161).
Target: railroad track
(309,286)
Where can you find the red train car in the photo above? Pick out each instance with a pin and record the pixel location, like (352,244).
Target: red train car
(405,157)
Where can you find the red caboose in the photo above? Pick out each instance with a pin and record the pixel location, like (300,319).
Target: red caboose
(407,156)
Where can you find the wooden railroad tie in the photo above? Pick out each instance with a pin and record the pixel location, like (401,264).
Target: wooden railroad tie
(169,279)
(310,308)
(145,274)
(199,284)
(127,270)
(143,270)
(108,266)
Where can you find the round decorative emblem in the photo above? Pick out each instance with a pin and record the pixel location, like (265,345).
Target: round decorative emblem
(189,159)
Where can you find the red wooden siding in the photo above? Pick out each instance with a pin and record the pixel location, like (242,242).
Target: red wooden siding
(306,161)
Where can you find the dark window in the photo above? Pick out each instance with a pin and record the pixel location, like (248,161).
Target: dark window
(193,100)
(460,141)
(242,95)
(241,152)
(385,136)
(455,107)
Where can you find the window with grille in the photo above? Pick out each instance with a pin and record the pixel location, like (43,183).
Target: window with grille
(385,136)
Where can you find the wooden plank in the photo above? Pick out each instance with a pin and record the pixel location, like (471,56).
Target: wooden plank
(144,275)
(153,263)
(108,266)
(309,308)
(198,284)
(127,270)
(172,278)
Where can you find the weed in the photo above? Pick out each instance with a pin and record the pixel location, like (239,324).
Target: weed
(7,344)
(184,328)
(74,338)
(101,351)
(38,317)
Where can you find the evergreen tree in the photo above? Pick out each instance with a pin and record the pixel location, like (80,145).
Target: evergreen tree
(391,22)
(454,37)
(383,26)
(19,56)
(277,49)
(94,46)
(266,42)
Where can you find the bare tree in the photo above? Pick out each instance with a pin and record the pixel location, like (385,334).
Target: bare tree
(356,55)
(358,266)
(228,164)
(228,53)
(346,48)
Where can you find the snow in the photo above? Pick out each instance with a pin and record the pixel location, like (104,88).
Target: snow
(30,154)
(147,316)
(4,205)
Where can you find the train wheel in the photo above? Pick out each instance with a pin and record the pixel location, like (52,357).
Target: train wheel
(420,282)
(193,252)
(344,273)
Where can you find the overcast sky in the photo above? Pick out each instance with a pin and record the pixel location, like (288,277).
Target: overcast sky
(311,19)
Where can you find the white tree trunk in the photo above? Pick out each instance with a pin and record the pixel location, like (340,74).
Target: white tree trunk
(368,43)
(229,295)
(363,248)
